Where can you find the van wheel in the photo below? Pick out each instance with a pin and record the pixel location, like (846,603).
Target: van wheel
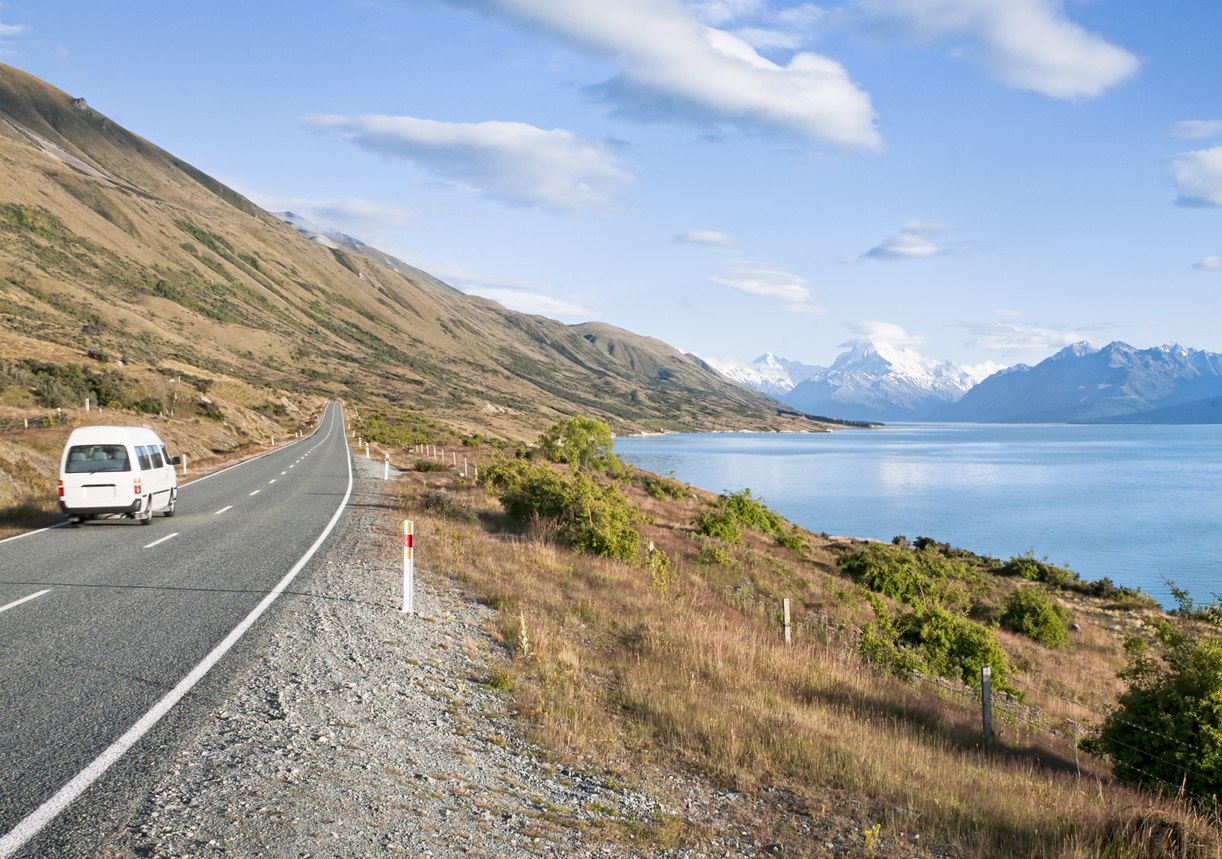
(169,511)
(146,518)
(75,522)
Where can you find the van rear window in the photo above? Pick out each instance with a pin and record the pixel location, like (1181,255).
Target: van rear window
(89,458)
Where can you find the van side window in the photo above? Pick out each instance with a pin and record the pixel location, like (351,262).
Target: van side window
(155,455)
(91,458)
(142,454)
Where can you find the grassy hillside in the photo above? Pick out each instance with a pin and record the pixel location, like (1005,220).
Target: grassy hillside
(672,661)
(108,243)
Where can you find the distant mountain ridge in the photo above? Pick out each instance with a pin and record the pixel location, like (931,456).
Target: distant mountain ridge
(1118,383)
(869,382)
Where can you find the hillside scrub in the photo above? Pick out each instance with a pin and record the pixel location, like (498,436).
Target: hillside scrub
(1029,611)
(733,511)
(613,671)
(593,516)
(1166,733)
(580,442)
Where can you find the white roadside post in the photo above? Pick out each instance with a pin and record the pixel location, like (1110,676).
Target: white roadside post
(367,456)
(386,476)
(409,569)
(86,404)
(184,465)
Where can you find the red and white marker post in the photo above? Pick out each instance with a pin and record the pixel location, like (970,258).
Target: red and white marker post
(409,569)
(386,476)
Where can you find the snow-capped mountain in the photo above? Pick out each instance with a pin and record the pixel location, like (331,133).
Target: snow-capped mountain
(1170,384)
(870,382)
(768,373)
(881,382)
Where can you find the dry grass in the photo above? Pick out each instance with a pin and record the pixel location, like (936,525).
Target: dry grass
(612,667)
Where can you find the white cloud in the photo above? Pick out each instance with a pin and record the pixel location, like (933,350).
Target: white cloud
(11,29)
(510,162)
(1027,44)
(913,242)
(807,310)
(1012,314)
(869,331)
(672,66)
(1198,177)
(531,302)
(1196,129)
(1210,264)
(706,237)
(1009,337)
(768,281)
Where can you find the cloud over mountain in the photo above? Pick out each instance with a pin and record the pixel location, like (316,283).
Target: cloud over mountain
(769,281)
(510,162)
(915,241)
(672,66)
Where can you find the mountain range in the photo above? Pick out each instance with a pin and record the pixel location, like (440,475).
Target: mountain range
(869,382)
(1115,384)
(109,245)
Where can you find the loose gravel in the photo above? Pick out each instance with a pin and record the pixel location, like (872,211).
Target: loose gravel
(359,731)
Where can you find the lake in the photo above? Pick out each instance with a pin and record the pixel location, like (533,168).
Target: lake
(1133,503)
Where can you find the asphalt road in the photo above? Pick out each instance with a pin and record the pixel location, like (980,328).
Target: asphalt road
(117,615)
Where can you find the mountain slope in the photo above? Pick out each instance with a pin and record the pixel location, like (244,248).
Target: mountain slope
(1081,383)
(109,243)
(767,373)
(879,382)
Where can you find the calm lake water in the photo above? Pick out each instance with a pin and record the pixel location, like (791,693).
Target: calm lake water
(1135,504)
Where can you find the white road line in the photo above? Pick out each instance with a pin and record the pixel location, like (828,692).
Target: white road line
(256,492)
(4,608)
(273,480)
(223,509)
(283,473)
(162,540)
(45,813)
(292,465)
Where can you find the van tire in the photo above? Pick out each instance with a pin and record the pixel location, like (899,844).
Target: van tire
(169,511)
(146,518)
(75,522)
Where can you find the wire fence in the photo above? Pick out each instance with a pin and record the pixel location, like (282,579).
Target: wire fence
(1038,722)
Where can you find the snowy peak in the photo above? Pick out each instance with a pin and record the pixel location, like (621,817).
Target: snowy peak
(768,373)
(870,381)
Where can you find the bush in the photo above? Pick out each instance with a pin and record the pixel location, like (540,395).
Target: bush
(735,510)
(1030,612)
(1167,730)
(914,578)
(664,487)
(447,505)
(149,406)
(428,465)
(594,517)
(581,442)
(1039,570)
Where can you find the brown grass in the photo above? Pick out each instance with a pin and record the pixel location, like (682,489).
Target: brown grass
(616,669)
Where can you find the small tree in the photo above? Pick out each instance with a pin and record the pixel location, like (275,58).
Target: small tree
(581,442)
(1168,727)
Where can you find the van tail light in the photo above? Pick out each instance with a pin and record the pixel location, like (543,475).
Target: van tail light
(136,486)
(61,489)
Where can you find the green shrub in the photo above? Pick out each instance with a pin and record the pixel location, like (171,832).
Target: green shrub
(212,412)
(1167,730)
(913,578)
(954,646)
(1027,566)
(581,442)
(429,465)
(148,405)
(664,487)
(735,510)
(1030,612)
(594,517)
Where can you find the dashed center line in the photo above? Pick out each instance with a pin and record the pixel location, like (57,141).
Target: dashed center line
(273,480)
(16,603)
(223,509)
(256,492)
(162,540)
(283,473)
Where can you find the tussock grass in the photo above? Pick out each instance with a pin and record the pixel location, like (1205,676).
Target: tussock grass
(612,667)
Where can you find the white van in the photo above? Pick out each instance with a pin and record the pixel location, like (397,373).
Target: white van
(125,471)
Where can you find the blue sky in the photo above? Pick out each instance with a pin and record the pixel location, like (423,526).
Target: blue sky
(977,179)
